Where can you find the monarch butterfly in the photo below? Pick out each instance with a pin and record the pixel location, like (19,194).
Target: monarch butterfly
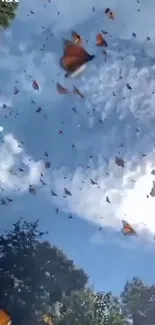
(127,229)
(47,164)
(76,38)
(110,14)
(16,90)
(35,85)
(4,318)
(100,41)
(47,319)
(61,90)
(74,59)
(77,92)
(119,162)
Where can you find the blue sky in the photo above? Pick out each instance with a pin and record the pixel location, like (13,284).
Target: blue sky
(108,257)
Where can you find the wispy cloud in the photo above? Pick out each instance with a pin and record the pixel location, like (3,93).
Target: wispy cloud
(13,157)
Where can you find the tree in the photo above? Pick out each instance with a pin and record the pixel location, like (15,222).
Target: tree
(33,274)
(138,301)
(88,308)
(7,13)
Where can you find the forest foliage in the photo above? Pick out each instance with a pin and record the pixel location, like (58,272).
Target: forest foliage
(7,13)
(37,278)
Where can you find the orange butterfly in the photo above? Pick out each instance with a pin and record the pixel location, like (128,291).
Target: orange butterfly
(47,319)
(110,14)
(76,38)
(74,58)
(61,89)
(100,41)
(4,318)
(77,92)
(127,229)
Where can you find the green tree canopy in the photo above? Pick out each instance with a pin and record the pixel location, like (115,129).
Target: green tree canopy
(7,13)
(138,299)
(33,274)
(88,308)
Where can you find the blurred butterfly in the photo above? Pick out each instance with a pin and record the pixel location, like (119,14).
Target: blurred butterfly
(119,162)
(67,192)
(4,318)
(35,85)
(77,38)
(110,14)
(76,91)
(127,229)
(74,59)
(38,110)
(16,90)
(32,190)
(100,41)
(104,32)
(61,89)
(47,319)
(47,164)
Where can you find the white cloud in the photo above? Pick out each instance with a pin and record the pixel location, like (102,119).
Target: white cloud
(13,157)
(128,199)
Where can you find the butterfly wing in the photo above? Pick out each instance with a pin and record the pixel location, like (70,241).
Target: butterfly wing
(66,62)
(119,162)
(110,14)
(71,64)
(107,10)
(67,43)
(100,41)
(61,89)
(4,318)
(77,51)
(76,38)
(35,85)
(47,319)
(127,229)
(77,92)
(16,91)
